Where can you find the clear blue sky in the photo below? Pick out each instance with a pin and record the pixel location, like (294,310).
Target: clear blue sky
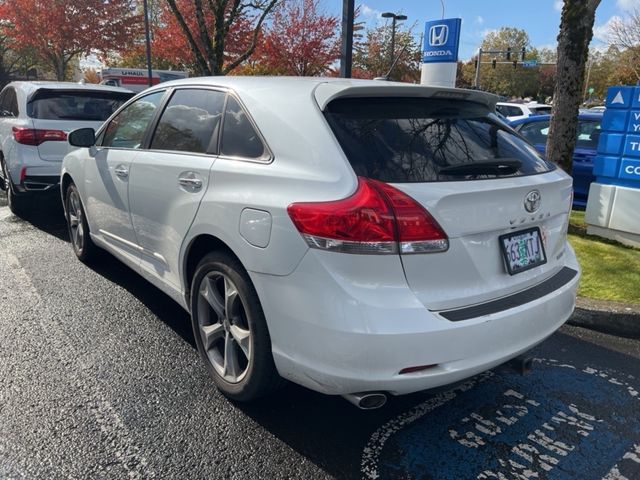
(540,18)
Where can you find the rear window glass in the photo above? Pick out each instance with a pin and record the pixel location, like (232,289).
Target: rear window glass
(540,110)
(405,140)
(75,105)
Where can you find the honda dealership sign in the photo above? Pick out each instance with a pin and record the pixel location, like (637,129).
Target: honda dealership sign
(440,52)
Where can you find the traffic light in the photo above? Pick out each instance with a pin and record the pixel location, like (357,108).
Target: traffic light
(509,53)
(493,63)
(523,51)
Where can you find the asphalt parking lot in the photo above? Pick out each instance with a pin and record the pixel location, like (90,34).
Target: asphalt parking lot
(100,378)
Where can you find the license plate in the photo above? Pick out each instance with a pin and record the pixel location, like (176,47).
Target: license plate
(522,250)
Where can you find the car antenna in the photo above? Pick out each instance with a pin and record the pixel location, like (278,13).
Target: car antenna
(393,65)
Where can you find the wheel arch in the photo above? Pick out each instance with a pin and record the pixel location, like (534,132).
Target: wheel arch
(198,247)
(65,181)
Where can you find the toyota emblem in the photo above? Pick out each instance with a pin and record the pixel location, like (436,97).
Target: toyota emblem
(532,201)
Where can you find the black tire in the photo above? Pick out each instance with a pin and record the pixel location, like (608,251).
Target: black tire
(217,270)
(83,246)
(20,205)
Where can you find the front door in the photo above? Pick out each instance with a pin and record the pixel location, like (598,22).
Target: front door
(107,174)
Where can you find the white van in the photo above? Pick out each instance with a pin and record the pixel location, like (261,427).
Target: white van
(136,79)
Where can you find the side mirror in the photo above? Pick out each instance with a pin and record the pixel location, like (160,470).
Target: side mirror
(83,137)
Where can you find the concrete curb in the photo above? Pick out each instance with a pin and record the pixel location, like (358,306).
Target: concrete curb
(614,318)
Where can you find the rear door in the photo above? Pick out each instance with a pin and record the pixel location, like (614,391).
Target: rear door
(56,112)
(486,187)
(168,180)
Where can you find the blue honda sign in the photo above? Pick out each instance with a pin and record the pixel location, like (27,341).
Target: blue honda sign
(441,40)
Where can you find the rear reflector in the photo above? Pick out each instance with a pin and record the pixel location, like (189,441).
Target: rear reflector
(376,219)
(36,136)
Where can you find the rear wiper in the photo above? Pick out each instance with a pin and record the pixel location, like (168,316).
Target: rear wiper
(500,166)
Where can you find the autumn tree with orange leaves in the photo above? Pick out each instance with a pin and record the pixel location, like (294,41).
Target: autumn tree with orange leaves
(301,40)
(60,30)
(212,37)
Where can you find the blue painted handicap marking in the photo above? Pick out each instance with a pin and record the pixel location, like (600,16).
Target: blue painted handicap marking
(631,146)
(619,97)
(630,169)
(557,423)
(616,121)
(610,143)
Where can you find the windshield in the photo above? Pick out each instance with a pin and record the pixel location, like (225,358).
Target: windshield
(401,140)
(75,105)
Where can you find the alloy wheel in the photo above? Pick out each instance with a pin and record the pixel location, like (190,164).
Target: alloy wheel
(223,327)
(76,225)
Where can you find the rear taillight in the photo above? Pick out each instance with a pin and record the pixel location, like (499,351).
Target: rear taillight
(377,218)
(37,136)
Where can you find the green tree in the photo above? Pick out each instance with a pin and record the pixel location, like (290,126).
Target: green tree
(505,79)
(371,55)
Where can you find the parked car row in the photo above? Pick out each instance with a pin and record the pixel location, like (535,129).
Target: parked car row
(35,119)
(357,238)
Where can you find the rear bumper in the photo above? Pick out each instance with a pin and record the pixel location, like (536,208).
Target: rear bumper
(339,337)
(38,183)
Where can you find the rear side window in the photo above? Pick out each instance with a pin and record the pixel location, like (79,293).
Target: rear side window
(190,121)
(239,138)
(402,140)
(510,110)
(75,105)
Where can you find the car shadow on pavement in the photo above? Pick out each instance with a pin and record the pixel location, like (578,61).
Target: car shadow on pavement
(47,216)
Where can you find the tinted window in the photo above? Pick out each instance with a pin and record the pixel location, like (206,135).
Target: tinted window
(540,110)
(535,132)
(239,138)
(588,134)
(12,102)
(190,121)
(416,139)
(75,105)
(509,110)
(127,129)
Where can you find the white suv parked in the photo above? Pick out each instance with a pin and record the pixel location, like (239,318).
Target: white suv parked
(35,118)
(516,111)
(356,237)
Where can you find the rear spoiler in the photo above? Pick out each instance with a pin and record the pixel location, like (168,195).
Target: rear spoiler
(326,92)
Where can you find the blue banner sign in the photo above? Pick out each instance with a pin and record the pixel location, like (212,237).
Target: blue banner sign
(618,159)
(441,40)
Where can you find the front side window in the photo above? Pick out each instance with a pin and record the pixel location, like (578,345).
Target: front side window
(406,140)
(239,138)
(55,104)
(127,129)
(190,121)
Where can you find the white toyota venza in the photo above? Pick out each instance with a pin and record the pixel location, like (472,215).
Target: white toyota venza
(360,238)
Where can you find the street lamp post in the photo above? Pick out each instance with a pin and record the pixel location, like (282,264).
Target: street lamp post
(394,18)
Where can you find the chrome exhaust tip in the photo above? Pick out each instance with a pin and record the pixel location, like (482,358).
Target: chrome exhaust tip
(367,400)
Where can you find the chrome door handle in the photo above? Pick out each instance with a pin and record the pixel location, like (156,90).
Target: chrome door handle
(122,172)
(190,182)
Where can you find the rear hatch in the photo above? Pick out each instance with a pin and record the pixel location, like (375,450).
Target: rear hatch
(491,193)
(53,111)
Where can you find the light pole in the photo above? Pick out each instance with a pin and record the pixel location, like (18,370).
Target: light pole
(147,38)
(394,18)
